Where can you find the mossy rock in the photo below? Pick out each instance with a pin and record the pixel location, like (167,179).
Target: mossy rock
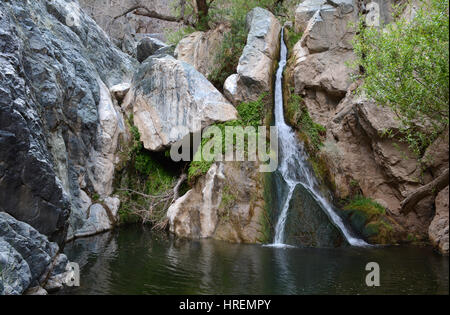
(370,220)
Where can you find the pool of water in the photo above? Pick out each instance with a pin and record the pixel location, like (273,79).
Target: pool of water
(133,260)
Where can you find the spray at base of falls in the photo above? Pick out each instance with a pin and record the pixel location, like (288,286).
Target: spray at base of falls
(294,167)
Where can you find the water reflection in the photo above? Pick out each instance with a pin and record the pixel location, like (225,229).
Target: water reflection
(135,261)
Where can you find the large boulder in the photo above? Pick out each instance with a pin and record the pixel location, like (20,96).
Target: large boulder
(25,255)
(438,230)
(226,204)
(200,49)
(59,127)
(256,66)
(170,100)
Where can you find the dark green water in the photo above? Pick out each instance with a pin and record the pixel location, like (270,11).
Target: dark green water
(133,260)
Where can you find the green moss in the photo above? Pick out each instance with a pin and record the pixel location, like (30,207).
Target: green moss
(370,219)
(142,172)
(291,38)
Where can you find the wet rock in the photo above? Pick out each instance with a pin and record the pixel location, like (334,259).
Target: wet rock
(308,225)
(257,63)
(438,231)
(170,99)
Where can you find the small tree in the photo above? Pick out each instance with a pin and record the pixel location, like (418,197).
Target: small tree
(406,67)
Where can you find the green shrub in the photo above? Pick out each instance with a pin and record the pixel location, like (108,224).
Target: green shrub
(250,114)
(406,67)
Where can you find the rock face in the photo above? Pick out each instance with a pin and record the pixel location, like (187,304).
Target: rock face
(25,255)
(438,231)
(359,157)
(125,30)
(257,63)
(226,204)
(320,71)
(59,126)
(170,99)
(200,49)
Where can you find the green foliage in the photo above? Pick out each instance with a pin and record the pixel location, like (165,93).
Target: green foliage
(250,113)
(298,116)
(291,38)
(370,219)
(146,174)
(406,67)
(366,205)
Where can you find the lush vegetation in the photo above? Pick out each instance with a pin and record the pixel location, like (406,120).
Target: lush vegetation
(298,116)
(143,183)
(250,114)
(406,67)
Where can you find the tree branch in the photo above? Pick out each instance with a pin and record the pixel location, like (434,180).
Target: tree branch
(430,189)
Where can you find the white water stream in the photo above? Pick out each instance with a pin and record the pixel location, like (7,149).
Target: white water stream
(294,167)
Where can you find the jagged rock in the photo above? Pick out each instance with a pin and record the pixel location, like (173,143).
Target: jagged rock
(386,170)
(200,49)
(325,26)
(436,155)
(15,272)
(57,132)
(130,26)
(171,99)
(257,63)
(327,71)
(438,230)
(25,255)
(226,204)
(147,47)
(119,91)
(320,69)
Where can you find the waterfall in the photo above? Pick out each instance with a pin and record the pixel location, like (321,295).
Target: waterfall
(294,168)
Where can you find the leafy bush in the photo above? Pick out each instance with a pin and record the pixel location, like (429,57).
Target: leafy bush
(406,67)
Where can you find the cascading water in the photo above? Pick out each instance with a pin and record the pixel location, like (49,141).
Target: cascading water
(293,165)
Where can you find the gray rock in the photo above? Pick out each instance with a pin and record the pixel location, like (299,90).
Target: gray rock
(147,47)
(257,63)
(15,275)
(55,138)
(171,99)
(25,254)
